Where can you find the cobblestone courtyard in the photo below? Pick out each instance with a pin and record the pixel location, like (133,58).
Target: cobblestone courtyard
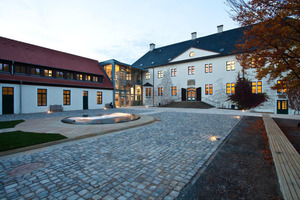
(150,162)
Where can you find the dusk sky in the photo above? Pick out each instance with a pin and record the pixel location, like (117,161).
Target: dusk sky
(106,29)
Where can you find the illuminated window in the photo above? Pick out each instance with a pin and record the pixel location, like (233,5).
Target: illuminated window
(4,67)
(191,70)
(8,91)
(147,75)
(59,74)
(48,72)
(208,68)
(282,87)
(79,77)
(42,97)
(256,87)
(174,72)
(208,89)
(95,79)
(174,90)
(148,92)
(128,76)
(160,91)
(20,69)
(160,74)
(230,65)
(35,71)
(67,97)
(99,97)
(230,88)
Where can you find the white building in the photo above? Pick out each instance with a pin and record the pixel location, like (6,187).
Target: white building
(33,78)
(202,69)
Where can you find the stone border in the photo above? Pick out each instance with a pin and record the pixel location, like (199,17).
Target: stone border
(144,120)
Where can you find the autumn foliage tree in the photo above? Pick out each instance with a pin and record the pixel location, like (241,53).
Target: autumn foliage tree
(243,96)
(272,39)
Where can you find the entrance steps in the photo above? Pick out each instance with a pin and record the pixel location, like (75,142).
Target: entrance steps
(189,104)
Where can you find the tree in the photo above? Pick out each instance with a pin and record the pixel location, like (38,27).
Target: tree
(271,43)
(243,96)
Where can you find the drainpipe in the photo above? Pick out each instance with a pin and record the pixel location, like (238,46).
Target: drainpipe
(153,88)
(21,97)
(113,82)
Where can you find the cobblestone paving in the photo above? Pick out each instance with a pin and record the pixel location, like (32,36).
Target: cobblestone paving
(150,162)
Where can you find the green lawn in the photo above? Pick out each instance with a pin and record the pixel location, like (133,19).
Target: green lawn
(10,124)
(18,139)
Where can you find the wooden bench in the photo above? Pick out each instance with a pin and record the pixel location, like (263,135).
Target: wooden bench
(56,108)
(286,159)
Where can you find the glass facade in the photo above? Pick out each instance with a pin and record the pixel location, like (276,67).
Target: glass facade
(127,83)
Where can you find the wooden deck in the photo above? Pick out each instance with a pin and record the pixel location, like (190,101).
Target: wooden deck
(286,159)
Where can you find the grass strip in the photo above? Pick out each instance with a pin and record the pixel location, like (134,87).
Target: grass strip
(18,139)
(10,124)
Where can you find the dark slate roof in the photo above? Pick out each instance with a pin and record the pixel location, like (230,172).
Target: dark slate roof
(223,43)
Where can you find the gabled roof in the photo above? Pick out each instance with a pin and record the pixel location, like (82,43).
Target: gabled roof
(31,54)
(12,50)
(223,43)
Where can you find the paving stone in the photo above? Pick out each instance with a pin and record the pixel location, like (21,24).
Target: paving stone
(150,162)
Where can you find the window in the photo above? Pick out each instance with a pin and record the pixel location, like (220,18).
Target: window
(208,89)
(191,70)
(35,71)
(174,90)
(230,65)
(148,92)
(230,88)
(87,77)
(256,87)
(99,97)
(4,67)
(160,74)
(208,68)
(128,76)
(48,72)
(20,69)
(42,97)
(8,91)
(70,75)
(282,87)
(79,77)
(147,75)
(59,74)
(160,91)
(101,79)
(174,72)
(95,78)
(67,97)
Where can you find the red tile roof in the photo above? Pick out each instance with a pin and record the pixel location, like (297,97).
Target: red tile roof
(31,54)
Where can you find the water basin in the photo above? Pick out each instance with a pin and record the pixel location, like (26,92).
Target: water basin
(102,119)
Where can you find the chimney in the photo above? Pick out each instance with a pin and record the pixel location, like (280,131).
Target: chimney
(220,28)
(152,46)
(194,35)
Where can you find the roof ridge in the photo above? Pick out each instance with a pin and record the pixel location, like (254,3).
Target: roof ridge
(54,50)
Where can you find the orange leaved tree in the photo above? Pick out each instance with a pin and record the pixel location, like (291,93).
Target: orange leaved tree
(272,39)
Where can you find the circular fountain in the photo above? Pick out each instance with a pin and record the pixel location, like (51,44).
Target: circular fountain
(101,119)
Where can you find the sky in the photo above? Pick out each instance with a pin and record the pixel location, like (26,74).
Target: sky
(110,29)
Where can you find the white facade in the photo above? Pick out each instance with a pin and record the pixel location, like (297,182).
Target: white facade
(218,78)
(26,98)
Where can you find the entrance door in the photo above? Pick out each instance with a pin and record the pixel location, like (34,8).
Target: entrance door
(183,94)
(198,91)
(191,94)
(85,100)
(7,100)
(282,107)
